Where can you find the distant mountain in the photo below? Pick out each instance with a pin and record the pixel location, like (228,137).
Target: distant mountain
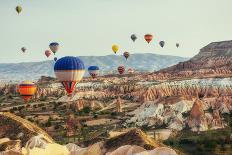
(109,63)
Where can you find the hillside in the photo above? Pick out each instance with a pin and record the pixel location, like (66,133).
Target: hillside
(141,62)
(212,60)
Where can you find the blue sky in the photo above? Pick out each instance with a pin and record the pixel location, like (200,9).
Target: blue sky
(90,27)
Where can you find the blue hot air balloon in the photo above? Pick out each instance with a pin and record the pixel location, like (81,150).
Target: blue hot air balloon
(69,71)
(93,71)
(54,46)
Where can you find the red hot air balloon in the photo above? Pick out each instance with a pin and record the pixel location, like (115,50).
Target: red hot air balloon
(48,53)
(121,69)
(126,55)
(148,38)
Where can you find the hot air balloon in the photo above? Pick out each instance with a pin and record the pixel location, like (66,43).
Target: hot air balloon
(148,38)
(47,53)
(93,71)
(130,71)
(177,45)
(69,71)
(23,49)
(133,37)
(55,58)
(18,9)
(54,46)
(27,89)
(162,43)
(115,48)
(126,55)
(121,69)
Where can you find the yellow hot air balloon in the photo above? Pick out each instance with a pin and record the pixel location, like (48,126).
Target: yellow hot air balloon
(115,48)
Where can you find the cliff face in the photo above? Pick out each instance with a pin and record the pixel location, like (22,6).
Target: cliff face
(213,60)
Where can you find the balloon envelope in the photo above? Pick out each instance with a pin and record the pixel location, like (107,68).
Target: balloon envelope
(18,9)
(130,71)
(126,55)
(177,45)
(133,37)
(93,71)
(148,38)
(27,89)
(54,46)
(69,71)
(115,48)
(121,69)
(23,49)
(48,53)
(162,43)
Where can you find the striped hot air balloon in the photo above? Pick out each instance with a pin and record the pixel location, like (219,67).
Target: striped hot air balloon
(121,69)
(69,71)
(27,89)
(148,38)
(54,46)
(93,71)
(126,55)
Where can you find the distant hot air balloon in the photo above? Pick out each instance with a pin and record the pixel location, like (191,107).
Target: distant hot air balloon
(93,71)
(69,71)
(148,38)
(162,43)
(130,70)
(115,48)
(27,89)
(23,49)
(18,9)
(177,45)
(55,58)
(133,37)
(121,69)
(47,53)
(54,46)
(126,55)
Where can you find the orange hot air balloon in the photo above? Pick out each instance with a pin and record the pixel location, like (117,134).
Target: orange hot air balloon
(148,38)
(27,89)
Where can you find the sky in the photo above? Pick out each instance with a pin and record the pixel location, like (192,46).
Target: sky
(90,27)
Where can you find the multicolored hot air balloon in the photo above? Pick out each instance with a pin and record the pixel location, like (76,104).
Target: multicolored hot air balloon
(126,55)
(130,71)
(23,49)
(148,38)
(133,37)
(47,53)
(54,46)
(18,9)
(115,48)
(162,43)
(27,89)
(121,69)
(69,71)
(55,58)
(177,45)
(93,71)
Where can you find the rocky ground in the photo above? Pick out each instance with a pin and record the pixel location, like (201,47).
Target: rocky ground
(193,97)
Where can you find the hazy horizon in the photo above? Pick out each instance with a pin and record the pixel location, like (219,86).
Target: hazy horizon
(90,27)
